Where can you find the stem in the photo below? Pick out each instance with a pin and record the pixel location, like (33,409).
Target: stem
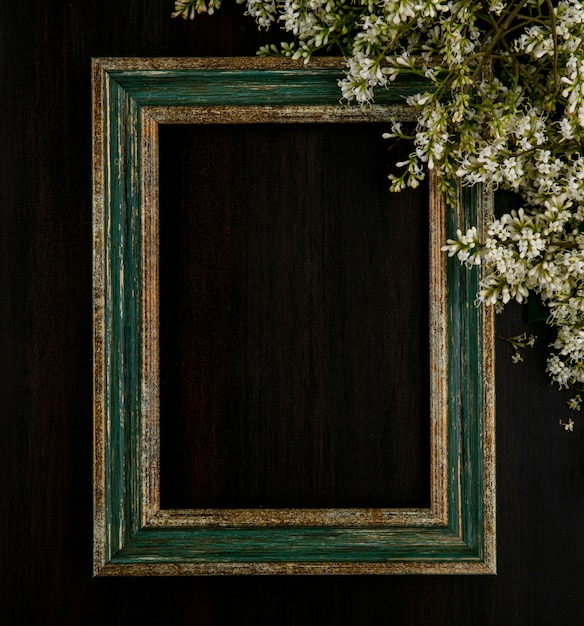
(555,39)
(501,29)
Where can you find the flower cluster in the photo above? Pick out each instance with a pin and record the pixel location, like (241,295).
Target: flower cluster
(538,249)
(187,9)
(503,107)
(519,341)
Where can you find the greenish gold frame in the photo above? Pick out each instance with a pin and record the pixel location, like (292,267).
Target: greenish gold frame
(132,535)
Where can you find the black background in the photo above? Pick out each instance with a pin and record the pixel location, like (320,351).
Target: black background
(46,380)
(294,319)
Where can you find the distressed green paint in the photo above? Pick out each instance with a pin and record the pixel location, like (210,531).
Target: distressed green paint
(248,87)
(465,365)
(128,546)
(122,306)
(316,545)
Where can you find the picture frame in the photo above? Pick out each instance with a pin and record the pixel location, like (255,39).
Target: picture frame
(133,536)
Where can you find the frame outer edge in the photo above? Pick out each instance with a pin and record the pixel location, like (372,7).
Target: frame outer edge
(297,568)
(121,64)
(99,368)
(149,381)
(489,415)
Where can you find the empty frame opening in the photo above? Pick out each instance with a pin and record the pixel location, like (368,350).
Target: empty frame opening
(294,342)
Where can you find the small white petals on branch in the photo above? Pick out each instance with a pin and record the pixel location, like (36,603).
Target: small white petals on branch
(501,109)
(575,404)
(569,425)
(187,9)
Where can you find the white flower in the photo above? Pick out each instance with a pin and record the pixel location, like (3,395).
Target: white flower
(575,404)
(566,128)
(517,358)
(569,425)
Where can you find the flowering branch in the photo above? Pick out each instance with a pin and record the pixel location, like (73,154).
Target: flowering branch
(504,108)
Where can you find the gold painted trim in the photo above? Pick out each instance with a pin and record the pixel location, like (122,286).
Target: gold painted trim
(150,453)
(99,365)
(278,114)
(439,464)
(489,444)
(294,517)
(296,569)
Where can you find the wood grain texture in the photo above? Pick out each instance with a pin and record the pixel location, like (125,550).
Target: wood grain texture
(285,359)
(265,382)
(46,381)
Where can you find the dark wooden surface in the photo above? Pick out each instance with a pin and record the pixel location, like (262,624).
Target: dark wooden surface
(294,331)
(45,381)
